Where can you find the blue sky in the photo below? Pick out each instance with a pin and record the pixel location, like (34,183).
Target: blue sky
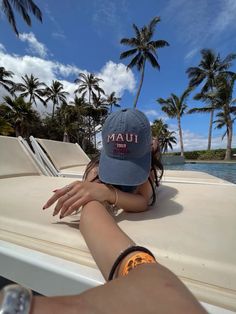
(84,36)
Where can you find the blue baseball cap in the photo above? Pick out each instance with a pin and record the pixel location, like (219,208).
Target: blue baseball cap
(126,154)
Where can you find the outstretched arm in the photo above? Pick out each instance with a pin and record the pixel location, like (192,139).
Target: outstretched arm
(149,289)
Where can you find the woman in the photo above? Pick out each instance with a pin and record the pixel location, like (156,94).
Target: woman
(124,176)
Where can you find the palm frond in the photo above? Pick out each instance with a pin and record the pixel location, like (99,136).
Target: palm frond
(7,9)
(152,60)
(153,23)
(159,43)
(137,32)
(128,53)
(134,61)
(133,42)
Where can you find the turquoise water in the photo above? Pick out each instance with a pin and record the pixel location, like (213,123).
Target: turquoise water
(220,170)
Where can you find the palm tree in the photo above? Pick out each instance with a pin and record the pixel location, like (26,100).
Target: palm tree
(207,71)
(224,100)
(166,140)
(31,88)
(175,107)
(208,98)
(56,94)
(19,114)
(158,127)
(89,84)
(24,8)
(68,117)
(5,81)
(161,133)
(143,49)
(112,100)
(81,131)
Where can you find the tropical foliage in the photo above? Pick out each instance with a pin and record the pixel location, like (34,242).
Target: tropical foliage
(19,115)
(89,85)
(144,48)
(5,79)
(165,137)
(55,94)
(227,115)
(209,69)
(81,120)
(24,8)
(77,121)
(175,107)
(32,88)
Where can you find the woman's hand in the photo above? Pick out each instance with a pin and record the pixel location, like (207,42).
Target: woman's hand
(71,197)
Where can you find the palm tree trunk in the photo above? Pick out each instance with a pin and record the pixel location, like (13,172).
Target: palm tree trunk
(140,86)
(18,129)
(180,138)
(53,109)
(95,138)
(66,137)
(229,140)
(210,130)
(89,97)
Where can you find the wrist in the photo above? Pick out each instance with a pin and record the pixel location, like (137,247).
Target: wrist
(112,195)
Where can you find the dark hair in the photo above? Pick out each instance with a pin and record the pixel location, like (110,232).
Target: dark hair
(156,171)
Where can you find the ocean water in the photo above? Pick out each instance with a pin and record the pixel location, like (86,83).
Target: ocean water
(226,171)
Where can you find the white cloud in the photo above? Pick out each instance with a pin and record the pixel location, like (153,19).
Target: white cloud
(225,18)
(110,15)
(191,54)
(58,35)
(201,23)
(115,76)
(151,113)
(35,47)
(2,48)
(194,141)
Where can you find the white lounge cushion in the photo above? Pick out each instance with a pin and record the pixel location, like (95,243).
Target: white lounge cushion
(191,230)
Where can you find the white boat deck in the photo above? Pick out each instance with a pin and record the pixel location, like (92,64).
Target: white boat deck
(191,230)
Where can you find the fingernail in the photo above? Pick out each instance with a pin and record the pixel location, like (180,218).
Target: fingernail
(61,216)
(44,207)
(55,190)
(54,213)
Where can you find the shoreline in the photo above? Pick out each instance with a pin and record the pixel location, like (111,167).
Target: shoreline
(193,161)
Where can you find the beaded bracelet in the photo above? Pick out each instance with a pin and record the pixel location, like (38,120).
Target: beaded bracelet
(124,254)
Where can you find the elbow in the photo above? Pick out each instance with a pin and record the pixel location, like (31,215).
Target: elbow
(139,208)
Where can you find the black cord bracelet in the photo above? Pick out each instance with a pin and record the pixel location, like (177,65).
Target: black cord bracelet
(124,254)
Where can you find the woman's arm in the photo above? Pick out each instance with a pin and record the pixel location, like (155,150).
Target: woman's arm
(149,289)
(102,235)
(77,194)
(137,201)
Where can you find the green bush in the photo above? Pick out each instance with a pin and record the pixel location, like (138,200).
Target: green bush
(192,155)
(218,154)
(214,154)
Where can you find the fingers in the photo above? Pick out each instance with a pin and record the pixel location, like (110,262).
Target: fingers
(66,211)
(70,198)
(66,201)
(59,193)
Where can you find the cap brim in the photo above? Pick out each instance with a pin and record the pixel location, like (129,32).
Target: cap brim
(124,172)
